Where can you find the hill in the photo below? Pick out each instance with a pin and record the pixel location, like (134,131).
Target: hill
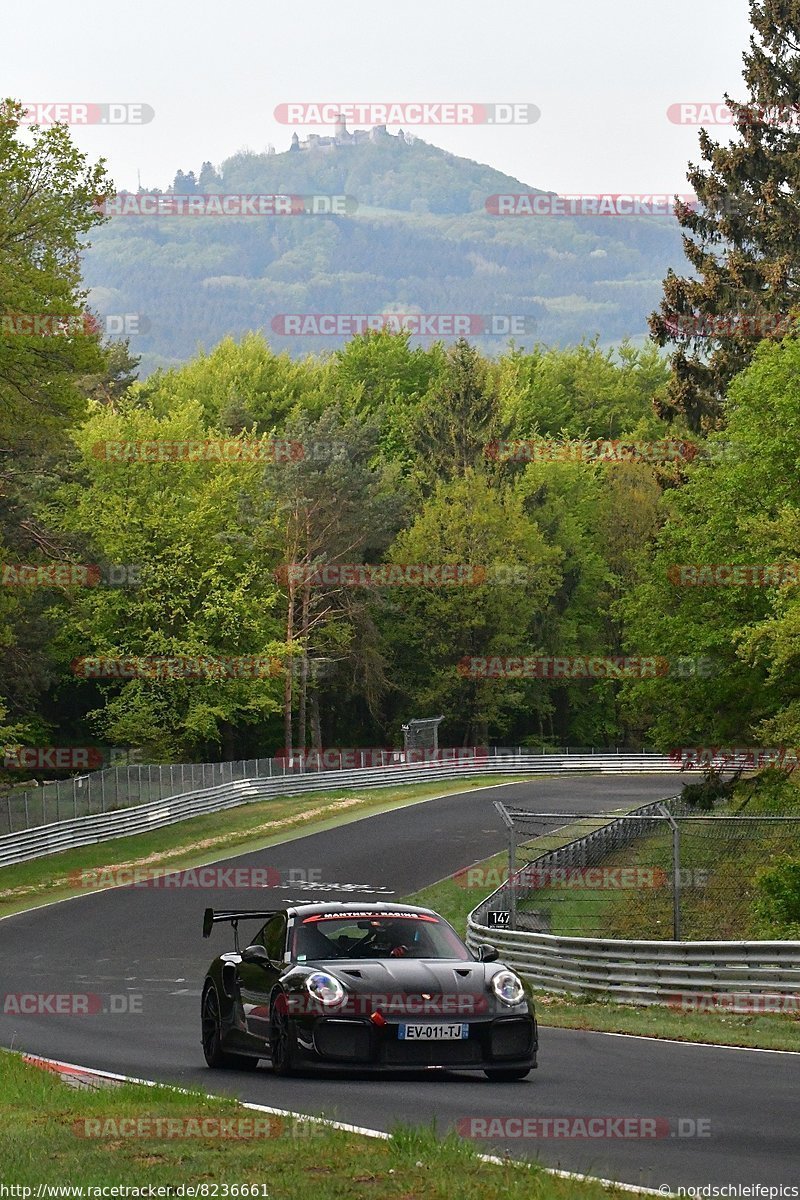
(419,239)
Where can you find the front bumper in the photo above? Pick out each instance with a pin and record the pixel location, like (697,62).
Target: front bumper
(506,1041)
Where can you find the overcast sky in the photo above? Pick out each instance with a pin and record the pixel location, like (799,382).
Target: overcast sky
(602,72)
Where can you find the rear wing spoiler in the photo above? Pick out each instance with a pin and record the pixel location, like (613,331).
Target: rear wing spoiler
(234,916)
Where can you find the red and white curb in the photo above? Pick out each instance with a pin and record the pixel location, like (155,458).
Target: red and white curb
(93,1079)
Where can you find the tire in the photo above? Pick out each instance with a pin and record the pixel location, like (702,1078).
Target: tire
(281,1037)
(506,1074)
(211,1038)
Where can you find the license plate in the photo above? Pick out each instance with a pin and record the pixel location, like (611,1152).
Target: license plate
(433,1033)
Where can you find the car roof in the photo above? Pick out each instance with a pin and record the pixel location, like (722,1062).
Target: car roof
(355,906)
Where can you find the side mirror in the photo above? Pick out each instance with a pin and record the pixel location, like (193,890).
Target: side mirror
(488,954)
(257,955)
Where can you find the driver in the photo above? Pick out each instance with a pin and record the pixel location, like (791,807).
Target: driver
(396,938)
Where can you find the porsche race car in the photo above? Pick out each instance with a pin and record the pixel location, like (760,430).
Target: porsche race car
(375,987)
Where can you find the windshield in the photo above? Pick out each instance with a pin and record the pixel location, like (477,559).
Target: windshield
(375,936)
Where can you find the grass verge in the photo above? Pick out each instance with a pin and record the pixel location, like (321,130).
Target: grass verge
(778,1031)
(200,840)
(43,1142)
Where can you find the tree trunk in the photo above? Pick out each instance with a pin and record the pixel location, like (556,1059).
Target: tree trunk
(287,683)
(304,620)
(316,727)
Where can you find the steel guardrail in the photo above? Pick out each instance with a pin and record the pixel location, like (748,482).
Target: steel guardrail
(57,836)
(679,974)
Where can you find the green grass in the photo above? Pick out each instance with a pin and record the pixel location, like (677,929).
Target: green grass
(768,1032)
(205,839)
(300,1160)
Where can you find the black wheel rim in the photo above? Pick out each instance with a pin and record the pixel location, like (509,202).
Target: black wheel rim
(279,1036)
(210,1023)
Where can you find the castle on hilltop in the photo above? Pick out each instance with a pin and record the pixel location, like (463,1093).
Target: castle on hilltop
(343,137)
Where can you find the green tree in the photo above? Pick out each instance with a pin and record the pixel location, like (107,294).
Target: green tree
(467,521)
(48,194)
(203,592)
(741,242)
(741,505)
(457,418)
(48,204)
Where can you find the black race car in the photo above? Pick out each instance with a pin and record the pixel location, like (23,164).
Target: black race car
(370,986)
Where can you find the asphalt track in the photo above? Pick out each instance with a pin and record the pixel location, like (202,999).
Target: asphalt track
(146,943)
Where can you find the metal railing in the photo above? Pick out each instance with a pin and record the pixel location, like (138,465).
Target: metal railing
(674,973)
(82,830)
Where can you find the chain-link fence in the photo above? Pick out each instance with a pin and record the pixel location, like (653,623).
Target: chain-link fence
(125,786)
(659,871)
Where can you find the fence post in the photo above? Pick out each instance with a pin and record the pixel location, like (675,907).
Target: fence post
(102,791)
(511,882)
(27,821)
(676,873)
(676,882)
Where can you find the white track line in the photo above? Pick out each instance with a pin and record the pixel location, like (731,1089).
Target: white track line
(73,1069)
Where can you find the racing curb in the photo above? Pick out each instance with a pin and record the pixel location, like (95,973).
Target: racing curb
(92,1078)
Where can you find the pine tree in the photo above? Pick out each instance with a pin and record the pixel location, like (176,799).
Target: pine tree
(742,237)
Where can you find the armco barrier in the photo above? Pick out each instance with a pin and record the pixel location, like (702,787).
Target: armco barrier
(100,827)
(634,972)
(646,972)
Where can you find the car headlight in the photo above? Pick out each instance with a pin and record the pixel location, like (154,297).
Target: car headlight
(325,988)
(508,988)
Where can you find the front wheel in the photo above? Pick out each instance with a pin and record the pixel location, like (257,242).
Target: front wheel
(213,1053)
(506,1074)
(281,1036)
